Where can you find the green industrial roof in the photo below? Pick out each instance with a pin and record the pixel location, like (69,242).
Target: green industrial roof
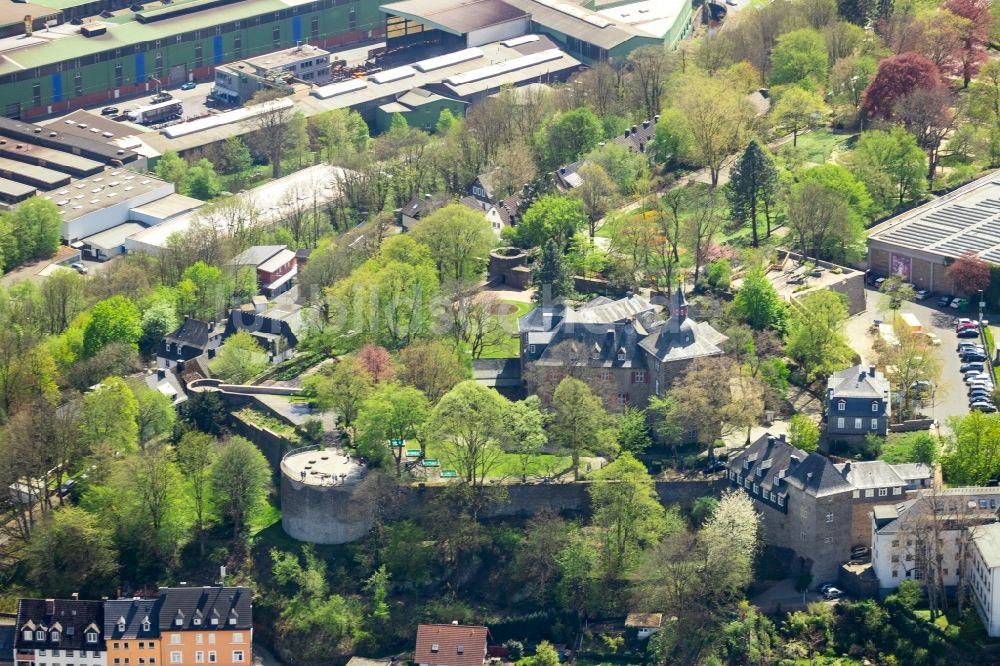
(133,32)
(62,4)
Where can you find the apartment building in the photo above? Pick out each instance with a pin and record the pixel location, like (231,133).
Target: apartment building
(60,632)
(132,632)
(205,625)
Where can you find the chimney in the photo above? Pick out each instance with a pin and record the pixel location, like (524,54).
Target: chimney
(186,317)
(76,596)
(795,460)
(847,467)
(656,119)
(635,128)
(782,437)
(871,370)
(562,170)
(427,197)
(645,124)
(642,147)
(455,622)
(626,134)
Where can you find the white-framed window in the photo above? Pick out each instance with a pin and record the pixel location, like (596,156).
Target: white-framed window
(42,653)
(197,621)
(531,349)
(237,637)
(145,625)
(596,355)
(213,621)
(28,634)
(621,356)
(840,423)
(841,405)
(91,636)
(39,635)
(882,492)
(237,656)
(875,406)
(211,639)
(199,657)
(874,424)
(829,517)
(55,636)
(858,424)
(869,492)
(640,376)
(175,639)
(175,658)
(199,639)
(211,657)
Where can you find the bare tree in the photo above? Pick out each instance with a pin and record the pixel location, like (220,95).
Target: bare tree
(272,126)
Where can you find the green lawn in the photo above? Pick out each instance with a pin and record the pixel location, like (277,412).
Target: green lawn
(509,466)
(817,147)
(511,345)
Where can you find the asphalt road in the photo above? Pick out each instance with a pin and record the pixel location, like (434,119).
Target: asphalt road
(950,398)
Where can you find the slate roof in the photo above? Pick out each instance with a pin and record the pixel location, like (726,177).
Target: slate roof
(450,645)
(772,462)
(497,371)
(507,209)
(134,612)
(857,382)
(636,138)
(419,206)
(181,607)
(871,474)
(193,332)
(256,255)
(72,617)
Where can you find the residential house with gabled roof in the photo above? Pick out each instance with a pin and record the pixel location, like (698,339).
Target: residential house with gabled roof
(628,351)
(812,507)
(638,138)
(420,207)
(206,625)
(274,266)
(132,632)
(450,645)
(191,339)
(857,403)
(60,632)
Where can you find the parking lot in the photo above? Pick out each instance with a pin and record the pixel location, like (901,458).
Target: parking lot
(950,397)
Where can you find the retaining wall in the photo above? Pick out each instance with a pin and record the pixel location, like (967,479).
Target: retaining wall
(338,514)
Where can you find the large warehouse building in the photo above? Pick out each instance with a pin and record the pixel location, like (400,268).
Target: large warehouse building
(127,53)
(919,244)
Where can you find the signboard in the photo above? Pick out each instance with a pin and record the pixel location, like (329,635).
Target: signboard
(901,266)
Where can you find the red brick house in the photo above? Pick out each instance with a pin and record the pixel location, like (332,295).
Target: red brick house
(450,645)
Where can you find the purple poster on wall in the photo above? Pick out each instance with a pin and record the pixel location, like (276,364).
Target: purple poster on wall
(901,266)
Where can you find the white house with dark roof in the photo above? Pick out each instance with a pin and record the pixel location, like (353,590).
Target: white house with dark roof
(60,632)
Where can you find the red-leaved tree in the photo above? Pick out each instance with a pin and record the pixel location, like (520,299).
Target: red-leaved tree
(969,273)
(975,34)
(898,76)
(376,361)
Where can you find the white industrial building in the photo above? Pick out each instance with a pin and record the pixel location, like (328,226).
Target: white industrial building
(954,526)
(270,203)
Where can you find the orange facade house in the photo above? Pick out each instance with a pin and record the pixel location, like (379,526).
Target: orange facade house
(132,632)
(205,625)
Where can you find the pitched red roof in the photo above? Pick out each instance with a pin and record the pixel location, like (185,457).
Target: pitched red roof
(450,645)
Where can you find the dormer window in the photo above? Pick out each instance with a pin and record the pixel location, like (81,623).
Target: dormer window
(146,624)
(121,624)
(621,356)
(214,621)
(434,647)
(197,621)
(841,406)
(179,618)
(875,406)
(28,634)
(54,636)
(91,636)
(460,649)
(39,635)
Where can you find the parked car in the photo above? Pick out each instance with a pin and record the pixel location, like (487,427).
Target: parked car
(878,283)
(966,368)
(161,96)
(824,587)
(958,302)
(922,294)
(921,386)
(109,111)
(78,267)
(833,593)
(716,466)
(972,357)
(963,321)
(189,85)
(977,376)
(968,333)
(944,301)
(968,345)
(983,406)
